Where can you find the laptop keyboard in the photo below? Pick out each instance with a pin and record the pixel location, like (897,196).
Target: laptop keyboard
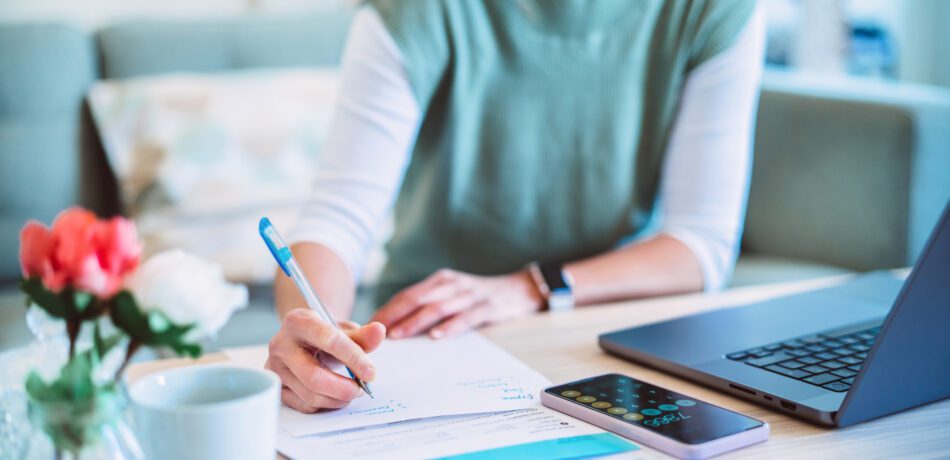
(830,360)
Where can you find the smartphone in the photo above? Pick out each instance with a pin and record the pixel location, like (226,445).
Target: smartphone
(679,425)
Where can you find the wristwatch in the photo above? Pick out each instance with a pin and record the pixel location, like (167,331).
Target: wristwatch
(555,285)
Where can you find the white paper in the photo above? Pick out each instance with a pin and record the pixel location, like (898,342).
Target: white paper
(421,378)
(436,437)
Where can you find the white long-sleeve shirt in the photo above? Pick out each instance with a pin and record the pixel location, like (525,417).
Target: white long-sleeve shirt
(704,180)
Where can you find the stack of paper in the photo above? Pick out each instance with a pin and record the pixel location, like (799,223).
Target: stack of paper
(426,395)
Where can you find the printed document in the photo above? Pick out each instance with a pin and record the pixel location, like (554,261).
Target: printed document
(448,436)
(421,378)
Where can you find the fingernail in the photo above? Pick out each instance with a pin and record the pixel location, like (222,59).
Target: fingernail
(369,373)
(436,333)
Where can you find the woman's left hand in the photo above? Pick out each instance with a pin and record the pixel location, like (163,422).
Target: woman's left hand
(450,302)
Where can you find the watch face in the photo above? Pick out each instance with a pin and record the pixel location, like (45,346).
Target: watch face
(554,278)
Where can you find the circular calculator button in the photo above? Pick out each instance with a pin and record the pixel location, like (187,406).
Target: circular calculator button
(668,407)
(586,399)
(617,410)
(570,394)
(651,412)
(685,403)
(601,405)
(633,416)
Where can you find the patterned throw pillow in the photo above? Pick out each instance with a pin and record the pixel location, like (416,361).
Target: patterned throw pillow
(200,158)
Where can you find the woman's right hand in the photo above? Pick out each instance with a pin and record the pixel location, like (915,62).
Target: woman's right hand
(308,384)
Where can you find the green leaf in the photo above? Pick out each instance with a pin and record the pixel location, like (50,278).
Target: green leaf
(75,379)
(81,300)
(125,314)
(39,390)
(158,322)
(53,303)
(153,328)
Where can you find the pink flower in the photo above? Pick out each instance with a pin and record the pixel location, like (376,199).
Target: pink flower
(80,251)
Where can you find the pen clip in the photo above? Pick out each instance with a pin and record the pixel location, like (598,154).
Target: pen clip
(275,243)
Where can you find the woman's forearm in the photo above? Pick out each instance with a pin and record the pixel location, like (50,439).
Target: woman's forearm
(658,266)
(329,276)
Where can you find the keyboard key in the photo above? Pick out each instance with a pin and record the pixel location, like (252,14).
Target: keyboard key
(769,360)
(815,369)
(865,336)
(822,379)
(837,386)
(826,356)
(798,352)
(792,343)
(855,368)
(833,364)
(844,373)
(812,339)
(831,343)
(809,360)
(861,355)
(848,340)
(777,347)
(760,354)
(860,347)
(850,360)
(848,380)
(737,355)
(814,348)
(794,364)
(793,373)
(843,351)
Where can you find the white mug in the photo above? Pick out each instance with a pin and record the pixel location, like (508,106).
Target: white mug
(207,412)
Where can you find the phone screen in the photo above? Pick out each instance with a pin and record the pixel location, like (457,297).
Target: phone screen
(668,413)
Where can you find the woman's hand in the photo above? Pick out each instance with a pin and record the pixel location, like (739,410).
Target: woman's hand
(308,384)
(449,302)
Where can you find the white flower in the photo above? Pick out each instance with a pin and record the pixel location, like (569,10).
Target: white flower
(188,290)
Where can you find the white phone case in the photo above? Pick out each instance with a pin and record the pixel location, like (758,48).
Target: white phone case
(656,440)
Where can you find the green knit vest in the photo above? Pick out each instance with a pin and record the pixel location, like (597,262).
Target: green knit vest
(544,127)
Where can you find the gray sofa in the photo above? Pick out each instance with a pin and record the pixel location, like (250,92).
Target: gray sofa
(848,175)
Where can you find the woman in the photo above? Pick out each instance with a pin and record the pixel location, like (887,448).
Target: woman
(608,141)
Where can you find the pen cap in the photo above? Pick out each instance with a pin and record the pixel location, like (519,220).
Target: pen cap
(275,243)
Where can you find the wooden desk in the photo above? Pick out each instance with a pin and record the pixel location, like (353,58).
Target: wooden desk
(564,347)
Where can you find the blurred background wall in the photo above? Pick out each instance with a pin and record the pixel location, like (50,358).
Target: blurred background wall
(852,143)
(904,38)
(897,39)
(97,13)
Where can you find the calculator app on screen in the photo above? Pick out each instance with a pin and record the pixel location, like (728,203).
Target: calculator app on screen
(668,413)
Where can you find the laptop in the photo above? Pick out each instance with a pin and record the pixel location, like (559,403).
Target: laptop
(837,356)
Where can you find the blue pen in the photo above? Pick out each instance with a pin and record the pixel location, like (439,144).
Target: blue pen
(289,265)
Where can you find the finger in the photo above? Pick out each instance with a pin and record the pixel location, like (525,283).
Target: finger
(369,337)
(409,299)
(348,325)
(307,395)
(426,317)
(300,404)
(464,321)
(317,379)
(295,402)
(310,331)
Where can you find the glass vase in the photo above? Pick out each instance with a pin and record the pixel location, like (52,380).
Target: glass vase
(93,429)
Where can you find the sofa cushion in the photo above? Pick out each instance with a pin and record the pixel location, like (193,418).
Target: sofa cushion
(848,172)
(139,48)
(754,269)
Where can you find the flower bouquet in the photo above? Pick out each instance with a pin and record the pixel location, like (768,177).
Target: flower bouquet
(85,272)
